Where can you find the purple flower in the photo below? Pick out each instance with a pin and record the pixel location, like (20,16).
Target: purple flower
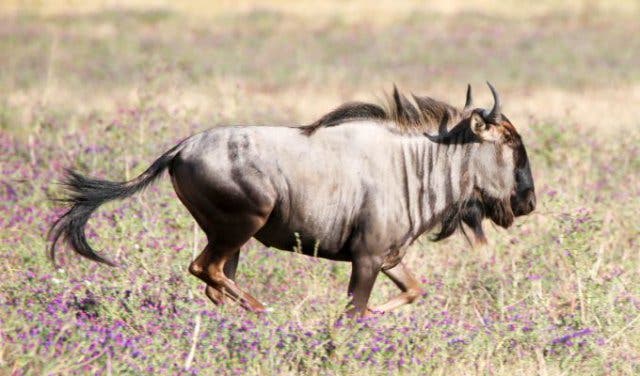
(567,338)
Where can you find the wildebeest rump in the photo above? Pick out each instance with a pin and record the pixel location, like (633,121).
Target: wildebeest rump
(359,185)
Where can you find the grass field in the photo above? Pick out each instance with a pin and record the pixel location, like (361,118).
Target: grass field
(106,89)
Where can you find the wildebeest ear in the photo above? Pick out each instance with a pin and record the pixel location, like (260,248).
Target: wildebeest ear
(484,130)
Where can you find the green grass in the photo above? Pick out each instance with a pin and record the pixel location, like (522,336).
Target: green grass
(106,93)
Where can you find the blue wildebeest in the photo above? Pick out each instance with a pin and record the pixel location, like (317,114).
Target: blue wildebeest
(358,185)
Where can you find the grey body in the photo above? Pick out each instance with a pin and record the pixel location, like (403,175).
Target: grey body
(359,185)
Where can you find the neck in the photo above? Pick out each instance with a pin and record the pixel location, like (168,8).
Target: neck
(436,180)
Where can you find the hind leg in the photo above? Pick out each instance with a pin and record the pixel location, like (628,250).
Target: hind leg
(230,205)
(219,259)
(215,295)
(209,267)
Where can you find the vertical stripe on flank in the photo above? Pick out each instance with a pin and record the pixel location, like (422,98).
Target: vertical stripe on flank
(430,173)
(439,184)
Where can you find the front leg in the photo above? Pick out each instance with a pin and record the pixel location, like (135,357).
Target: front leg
(406,282)
(363,275)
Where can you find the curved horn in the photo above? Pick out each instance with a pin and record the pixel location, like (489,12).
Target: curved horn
(469,102)
(496,111)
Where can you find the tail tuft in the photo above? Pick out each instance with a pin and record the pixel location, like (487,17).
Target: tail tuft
(85,195)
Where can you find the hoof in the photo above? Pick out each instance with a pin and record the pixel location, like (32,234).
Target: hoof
(216,296)
(374,312)
(262,311)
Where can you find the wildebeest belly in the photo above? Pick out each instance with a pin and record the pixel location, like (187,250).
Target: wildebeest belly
(280,236)
(321,228)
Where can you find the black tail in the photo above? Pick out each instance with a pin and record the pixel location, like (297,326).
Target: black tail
(86,195)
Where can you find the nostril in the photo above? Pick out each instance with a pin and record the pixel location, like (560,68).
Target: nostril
(523,203)
(532,202)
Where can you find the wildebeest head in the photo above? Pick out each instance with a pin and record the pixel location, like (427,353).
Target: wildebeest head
(503,184)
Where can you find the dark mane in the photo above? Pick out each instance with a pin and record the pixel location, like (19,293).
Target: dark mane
(421,115)
(345,112)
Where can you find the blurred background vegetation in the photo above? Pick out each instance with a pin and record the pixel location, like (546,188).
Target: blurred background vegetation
(547,57)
